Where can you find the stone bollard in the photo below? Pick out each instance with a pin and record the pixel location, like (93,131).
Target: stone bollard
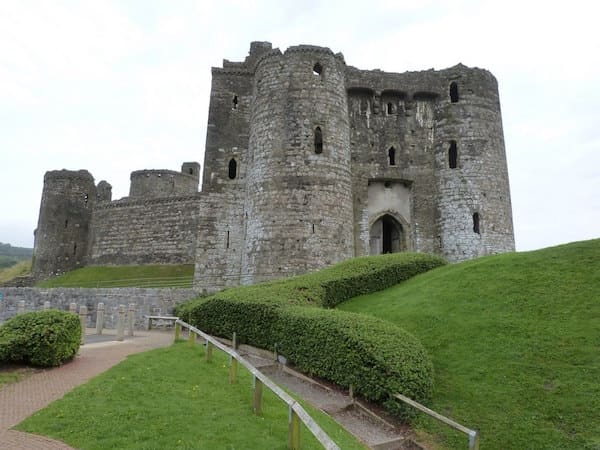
(121,323)
(83,319)
(99,318)
(73,308)
(46,306)
(130,319)
(21,307)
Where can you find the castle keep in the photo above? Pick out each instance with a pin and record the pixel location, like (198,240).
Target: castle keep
(308,162)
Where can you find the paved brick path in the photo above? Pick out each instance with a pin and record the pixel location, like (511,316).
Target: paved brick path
(19,400)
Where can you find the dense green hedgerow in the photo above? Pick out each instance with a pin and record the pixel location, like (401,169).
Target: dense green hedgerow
(335,284)
(41,338)
(373,356)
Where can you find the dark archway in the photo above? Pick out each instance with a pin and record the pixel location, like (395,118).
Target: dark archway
(387,236)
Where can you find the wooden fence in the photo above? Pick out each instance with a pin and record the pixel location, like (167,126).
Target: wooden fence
(297,413)
(473,435)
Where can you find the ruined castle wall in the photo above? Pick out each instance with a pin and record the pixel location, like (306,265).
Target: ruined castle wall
(152,231)
(478,185)
(148,301)
(392,131)
(299,197)
(61,239)
(161,183)
(225,160)
(220,241)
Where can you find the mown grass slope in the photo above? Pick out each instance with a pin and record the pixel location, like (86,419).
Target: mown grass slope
(20,269)
(171,398)
(167,275)
(515,343)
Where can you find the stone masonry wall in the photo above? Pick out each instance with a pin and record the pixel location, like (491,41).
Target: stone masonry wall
(148,301)
(161,183)
(151,231)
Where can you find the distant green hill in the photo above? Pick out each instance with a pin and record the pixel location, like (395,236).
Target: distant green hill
(515,343)
(9,255)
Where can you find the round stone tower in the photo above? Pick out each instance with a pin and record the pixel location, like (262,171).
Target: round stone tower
(298,208)
(475,215)
(61,237)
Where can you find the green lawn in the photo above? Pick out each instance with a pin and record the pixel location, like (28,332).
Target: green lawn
(19,269)
(515,342)
(166,275)
(172,398)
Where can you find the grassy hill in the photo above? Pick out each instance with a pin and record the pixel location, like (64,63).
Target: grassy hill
(167,275)
(515,342)
(20,269)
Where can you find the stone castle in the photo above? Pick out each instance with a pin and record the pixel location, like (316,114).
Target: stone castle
(308,162)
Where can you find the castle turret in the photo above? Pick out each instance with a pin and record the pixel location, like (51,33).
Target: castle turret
(475,215)
(61,238)
(165,183)
(298,205)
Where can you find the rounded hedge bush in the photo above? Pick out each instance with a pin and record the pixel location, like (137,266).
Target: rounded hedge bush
(376,357)
(40,338)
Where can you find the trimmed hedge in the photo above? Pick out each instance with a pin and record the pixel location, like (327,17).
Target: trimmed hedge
(333,285)
(40,338)
(376,357)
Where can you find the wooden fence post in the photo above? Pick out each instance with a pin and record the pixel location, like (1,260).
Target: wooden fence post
(293,430)
(234,342)
(191,339)
(73,308)
(209,347)
(177,331)
(258,389)
(233,369)
(83,319)
(121,323)
(99,318)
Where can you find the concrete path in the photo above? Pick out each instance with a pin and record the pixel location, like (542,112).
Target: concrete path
(19,400)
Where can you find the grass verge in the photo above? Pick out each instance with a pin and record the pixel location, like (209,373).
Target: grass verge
(20,269)
(166,275)
(173,398)
(515,342)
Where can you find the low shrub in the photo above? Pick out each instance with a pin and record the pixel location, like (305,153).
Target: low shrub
(375,357)
(40,338)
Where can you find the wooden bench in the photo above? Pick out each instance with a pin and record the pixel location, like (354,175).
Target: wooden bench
(149,319)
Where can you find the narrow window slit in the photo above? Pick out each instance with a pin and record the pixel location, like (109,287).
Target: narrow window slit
(454,92)
(392,156)
(318,141)
(232,169)
(476,223)
(453,155)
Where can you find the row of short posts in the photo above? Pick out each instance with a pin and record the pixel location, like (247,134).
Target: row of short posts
(293,419)
(124,320)
(21,306)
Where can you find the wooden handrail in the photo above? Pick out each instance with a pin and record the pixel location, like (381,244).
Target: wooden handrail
(473,435)
(295,407)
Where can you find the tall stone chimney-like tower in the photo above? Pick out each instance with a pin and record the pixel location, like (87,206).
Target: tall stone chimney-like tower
(61,238)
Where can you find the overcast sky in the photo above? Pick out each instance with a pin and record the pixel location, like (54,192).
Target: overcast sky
(117,86)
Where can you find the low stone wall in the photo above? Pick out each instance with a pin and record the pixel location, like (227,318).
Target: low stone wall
(147,301)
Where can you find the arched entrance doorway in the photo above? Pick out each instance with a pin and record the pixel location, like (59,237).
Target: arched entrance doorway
(386,236)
